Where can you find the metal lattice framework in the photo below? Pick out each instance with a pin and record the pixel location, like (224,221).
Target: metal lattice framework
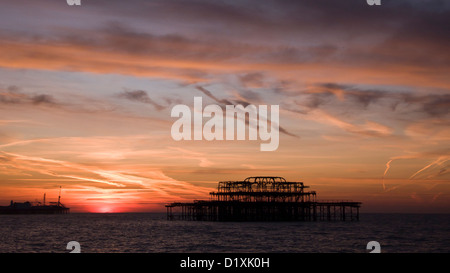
(264,198)
(263,189)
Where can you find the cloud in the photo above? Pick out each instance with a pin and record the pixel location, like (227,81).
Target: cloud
(140,96)
(429,130)
(205,91)
(188,154)
(68,102)
(247,95)
(224,102)
(155,181)
(368,128)
(13,95)
(189,42)
(106,55)
(433,104)
(362,97)
(43,99)
(334,95)
(252,80)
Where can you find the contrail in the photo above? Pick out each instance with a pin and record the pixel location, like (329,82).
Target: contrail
(441,160)
(438,162)
(388,166)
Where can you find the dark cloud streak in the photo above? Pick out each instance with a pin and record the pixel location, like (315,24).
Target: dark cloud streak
(333,94)
(140,96)
(13,95)
(224,102)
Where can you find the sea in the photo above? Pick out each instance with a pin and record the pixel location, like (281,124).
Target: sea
(153,233)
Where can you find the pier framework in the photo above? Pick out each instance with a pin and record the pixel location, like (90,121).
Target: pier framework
(263,199)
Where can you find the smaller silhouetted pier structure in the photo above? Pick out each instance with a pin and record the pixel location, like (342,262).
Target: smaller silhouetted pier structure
(35,207)
(263,198)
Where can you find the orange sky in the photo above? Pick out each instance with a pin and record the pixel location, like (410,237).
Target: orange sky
(86,95)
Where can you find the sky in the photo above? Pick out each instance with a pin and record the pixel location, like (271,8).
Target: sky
(86,94)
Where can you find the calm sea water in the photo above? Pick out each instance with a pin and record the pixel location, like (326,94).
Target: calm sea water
(150,233)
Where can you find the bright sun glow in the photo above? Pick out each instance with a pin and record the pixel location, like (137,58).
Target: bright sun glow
(105,209)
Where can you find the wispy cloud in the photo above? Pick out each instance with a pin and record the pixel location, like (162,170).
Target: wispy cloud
(140,96)
(224,102)
(13,95)
(74,103)
(368,128)
(159,186)
(329,95)
(170,49)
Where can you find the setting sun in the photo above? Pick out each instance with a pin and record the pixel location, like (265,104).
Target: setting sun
(105,209)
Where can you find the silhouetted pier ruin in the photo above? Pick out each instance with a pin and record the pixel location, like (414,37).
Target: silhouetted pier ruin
(265,198)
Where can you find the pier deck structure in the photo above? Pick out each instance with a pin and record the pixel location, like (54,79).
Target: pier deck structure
(263,198)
